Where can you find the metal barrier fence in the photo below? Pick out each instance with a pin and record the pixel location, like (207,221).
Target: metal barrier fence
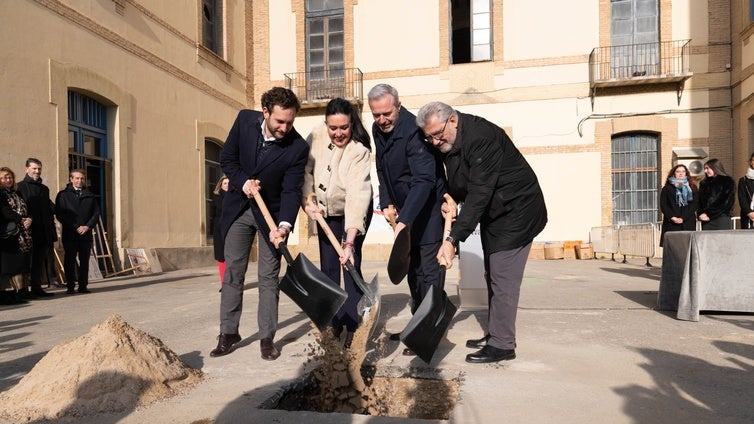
(639,240)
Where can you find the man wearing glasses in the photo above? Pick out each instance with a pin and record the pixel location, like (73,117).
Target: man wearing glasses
(412,180)
(500,192)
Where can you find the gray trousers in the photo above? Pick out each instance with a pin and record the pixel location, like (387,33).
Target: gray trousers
(505,271)
(238,243)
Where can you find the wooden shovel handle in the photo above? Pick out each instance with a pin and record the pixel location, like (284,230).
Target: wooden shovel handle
(271,224)
(448,221)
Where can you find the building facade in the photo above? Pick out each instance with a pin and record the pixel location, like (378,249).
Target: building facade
(602,97)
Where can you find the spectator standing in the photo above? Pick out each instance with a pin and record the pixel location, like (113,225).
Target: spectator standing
(78,211)
(716,197)
(411,179)
(678,200)
(15,250)
(217,239)
(263,155)
(745,198)
(43,233)
(500,193)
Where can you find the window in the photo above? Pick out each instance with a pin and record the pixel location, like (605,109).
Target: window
(325,58)
(751,10)
(471,39)
(635,183)
(635,38)
(212,172)
(212,28)
(87,148)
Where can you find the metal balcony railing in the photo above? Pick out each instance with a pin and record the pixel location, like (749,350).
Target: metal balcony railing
(666,61)
(321,86)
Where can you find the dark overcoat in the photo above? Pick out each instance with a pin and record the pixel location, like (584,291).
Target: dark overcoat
(716,196)
(499,189)
(745,191)
(670,208)
(41,210)
(74,211)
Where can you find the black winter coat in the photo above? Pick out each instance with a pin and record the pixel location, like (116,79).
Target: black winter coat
(745,191)
(217,237)
(74,211)
(670,208)
(716,196)
(499,189)
(41,210)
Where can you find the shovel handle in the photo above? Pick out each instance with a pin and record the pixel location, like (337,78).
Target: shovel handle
(339,250)
(271,224)
(448,220)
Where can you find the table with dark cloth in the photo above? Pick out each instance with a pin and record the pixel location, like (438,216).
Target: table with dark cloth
(707,271)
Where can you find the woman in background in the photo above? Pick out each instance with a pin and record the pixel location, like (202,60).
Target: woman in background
(15,250)
(678,200)
(217,210)
(338,174)
(716,197)
(745,198)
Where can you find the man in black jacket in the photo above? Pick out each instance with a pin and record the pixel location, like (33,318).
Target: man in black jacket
(500,192)
(78,212)
(412,180)
(43,234)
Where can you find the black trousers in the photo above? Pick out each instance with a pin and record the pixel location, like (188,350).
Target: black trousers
(82,250)
(423,272)
(41,264)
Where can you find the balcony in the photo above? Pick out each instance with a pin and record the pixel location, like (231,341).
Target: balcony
(639,64)
(315,89)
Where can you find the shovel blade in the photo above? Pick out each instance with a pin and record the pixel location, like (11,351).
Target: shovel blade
(312,291)
(429,324)
(368,306)
(400,255)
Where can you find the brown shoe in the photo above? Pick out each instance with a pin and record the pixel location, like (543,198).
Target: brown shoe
(225,344)
(269,352)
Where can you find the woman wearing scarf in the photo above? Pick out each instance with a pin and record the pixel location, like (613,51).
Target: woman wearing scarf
(15,250)
(678,200)
(717,193)
(745,198)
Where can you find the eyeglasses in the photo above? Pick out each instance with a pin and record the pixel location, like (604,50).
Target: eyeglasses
(437,135)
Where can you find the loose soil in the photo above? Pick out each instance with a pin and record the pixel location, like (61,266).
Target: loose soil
(114,368)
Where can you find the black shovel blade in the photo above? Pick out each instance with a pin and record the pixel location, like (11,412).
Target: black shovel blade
(429,324)
(400,255)
(313,291)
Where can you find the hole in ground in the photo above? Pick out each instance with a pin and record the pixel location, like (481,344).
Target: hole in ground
(391,392)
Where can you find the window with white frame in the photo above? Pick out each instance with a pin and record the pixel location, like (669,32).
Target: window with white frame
(471,25)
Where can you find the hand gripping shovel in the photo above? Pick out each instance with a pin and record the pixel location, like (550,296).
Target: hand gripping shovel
(313,291)
(370,298)
(432,318)
(400,255)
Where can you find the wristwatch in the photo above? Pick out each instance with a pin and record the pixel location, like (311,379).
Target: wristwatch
(452,241)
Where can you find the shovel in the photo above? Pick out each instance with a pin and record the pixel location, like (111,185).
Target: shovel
(432,318)
(312,290)
(370,293)
(400,255)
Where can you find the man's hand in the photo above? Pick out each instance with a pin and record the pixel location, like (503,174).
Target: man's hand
(398,228)
(676,220)
(449,208)
(445,254)
(703,217)
(277,236)
(251,188)
(750,215)
(82,230)
(390,214)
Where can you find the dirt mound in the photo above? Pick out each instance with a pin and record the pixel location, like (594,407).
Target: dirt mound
(113,368)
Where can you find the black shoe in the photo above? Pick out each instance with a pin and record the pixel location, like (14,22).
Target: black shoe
(395,336)
(70,291)
(491,354)
(26,294)
(408,352)
(477,343)
(84,291)
(38,291)
(269,352)
(225,344)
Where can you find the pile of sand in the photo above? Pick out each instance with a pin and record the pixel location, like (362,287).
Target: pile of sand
(113,368)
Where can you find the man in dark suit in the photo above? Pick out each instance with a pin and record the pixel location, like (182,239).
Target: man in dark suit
(43,233)
(263,154)
(412,180)
(78,212)
(500,192)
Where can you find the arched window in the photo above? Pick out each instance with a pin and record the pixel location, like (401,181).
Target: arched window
(635,182)
(212,172)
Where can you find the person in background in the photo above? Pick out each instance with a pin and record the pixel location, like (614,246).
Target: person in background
(678,200)
(716,197)
(500,193)
(262,156)
(337,173)
(745,198)
(411,179)
(15,250)
(78,211)
(218,194)
(43,233)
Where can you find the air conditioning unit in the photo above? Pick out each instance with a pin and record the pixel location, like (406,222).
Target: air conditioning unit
(693,157)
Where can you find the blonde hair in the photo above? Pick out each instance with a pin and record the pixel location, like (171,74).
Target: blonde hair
(4,171)
(219,184)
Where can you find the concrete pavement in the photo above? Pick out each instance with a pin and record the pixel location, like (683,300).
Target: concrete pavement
(591,348)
